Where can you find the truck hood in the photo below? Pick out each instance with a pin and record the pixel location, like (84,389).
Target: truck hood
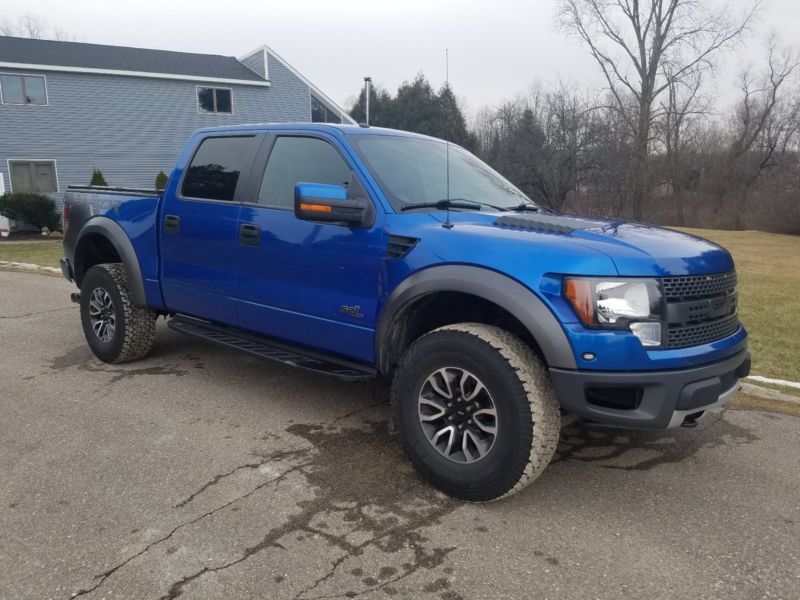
(635,249)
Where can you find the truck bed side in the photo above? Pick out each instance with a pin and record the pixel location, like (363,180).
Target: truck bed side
(118,223)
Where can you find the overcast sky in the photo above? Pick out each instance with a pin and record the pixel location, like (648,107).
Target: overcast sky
(498,48)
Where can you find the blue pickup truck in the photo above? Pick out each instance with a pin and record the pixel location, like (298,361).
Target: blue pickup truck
(362,252)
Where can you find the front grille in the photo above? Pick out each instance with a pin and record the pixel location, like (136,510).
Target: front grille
(701,333)
(698,286)
(700,309)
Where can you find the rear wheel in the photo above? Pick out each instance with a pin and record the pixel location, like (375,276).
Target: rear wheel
(115,329)
(475,411)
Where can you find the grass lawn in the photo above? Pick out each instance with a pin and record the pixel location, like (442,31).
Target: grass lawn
(768,266)
(769,282)
(45,253)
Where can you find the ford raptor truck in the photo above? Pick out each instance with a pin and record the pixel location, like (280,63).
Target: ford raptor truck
(362,252)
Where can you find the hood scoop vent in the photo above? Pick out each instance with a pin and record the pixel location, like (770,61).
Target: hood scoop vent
(558,224)
(533,223)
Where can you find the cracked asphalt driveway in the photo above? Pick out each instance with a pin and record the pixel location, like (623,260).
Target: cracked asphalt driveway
(204,473)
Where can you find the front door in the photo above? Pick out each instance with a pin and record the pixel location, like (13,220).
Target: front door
(199,229)
(308,283)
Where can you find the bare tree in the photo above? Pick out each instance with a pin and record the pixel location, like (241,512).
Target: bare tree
(644,46)
(543,142)
(679,123)
(33,26)
(765,127)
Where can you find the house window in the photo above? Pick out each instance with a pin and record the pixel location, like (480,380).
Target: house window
(215,100)
(23,89)
(37,177)
(321,113)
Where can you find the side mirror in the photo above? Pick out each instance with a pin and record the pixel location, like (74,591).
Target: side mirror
(330,204)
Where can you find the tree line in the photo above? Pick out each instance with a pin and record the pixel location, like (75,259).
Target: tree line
(652,144)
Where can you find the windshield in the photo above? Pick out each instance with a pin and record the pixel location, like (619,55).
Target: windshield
(414,171)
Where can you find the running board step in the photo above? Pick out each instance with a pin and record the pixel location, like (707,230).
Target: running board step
(274,350)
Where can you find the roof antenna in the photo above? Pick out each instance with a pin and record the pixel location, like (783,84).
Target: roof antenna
(447,223)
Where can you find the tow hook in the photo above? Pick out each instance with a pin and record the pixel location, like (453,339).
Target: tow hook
(690,422)
(75,297)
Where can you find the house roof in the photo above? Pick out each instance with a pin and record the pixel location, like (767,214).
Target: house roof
(121,60)
(320,95)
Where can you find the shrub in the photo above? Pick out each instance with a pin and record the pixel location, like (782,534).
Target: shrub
(161,180)
(34,209)
(97,178)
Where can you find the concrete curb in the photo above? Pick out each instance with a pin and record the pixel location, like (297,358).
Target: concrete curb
(762,392)
(18,266)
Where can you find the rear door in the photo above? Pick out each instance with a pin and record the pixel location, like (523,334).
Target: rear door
(199,228)
(309,283)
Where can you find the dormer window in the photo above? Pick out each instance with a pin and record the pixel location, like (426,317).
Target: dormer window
(23,89)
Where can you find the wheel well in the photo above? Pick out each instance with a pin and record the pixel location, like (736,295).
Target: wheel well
(93,249)
(437,309)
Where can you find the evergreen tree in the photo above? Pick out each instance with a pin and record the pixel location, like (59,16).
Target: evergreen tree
(419,108)
(380,107)
(161,180)
(97,178)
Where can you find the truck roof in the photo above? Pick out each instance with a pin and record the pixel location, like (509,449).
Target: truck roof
(324,127)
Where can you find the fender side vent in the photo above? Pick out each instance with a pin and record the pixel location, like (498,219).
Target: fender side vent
(549,225)
(399,246)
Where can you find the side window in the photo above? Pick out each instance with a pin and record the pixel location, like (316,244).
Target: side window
(23,89)
(214,100)
(300,159)
(215,168)
(36,177)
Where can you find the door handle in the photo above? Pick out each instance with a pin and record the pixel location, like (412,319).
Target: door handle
(172,224)
(249,234)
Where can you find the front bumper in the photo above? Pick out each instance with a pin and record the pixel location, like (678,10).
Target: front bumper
(649,399)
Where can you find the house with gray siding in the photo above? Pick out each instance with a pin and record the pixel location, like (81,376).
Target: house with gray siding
(67,108)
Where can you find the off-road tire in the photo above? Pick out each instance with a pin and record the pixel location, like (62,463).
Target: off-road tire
(135,327)
(528,416)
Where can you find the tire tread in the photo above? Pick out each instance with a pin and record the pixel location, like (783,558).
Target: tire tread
(140,323)
(535,380)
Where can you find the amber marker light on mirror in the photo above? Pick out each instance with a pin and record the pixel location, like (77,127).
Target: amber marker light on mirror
(316,208)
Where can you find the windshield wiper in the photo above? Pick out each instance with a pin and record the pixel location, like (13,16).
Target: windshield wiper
(445,204)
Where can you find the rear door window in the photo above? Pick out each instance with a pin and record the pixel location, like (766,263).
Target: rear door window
(217,166)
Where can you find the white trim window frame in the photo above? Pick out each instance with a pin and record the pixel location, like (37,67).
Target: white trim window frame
(33,160)
(22,77)
(215,111)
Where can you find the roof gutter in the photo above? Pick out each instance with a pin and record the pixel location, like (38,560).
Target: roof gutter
(122,73)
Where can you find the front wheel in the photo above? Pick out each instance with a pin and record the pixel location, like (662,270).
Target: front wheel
(475,411)
(115,329)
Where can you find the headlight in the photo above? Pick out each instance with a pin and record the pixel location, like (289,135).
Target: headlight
(632,304)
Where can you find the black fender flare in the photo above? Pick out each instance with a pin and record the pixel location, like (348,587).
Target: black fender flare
(499,289)
(114,233)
